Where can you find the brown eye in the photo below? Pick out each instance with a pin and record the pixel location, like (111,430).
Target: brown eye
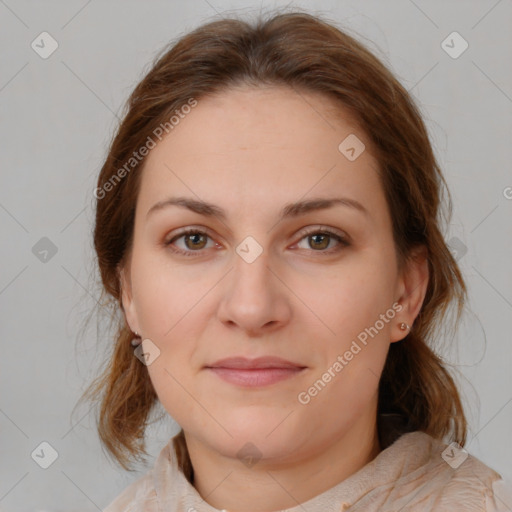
(319,241)
(193,241)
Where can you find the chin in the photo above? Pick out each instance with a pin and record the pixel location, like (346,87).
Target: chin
(249,450)
(260,431)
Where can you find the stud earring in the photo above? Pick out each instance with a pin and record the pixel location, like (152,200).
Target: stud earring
(404,326)
(136,341)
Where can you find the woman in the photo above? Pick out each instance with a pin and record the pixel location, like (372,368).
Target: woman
(268,224)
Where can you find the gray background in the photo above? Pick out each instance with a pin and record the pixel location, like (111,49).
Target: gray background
(57,117)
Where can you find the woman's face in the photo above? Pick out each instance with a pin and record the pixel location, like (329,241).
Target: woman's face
(269,277)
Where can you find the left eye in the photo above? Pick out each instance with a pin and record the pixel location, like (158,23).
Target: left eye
(320,240)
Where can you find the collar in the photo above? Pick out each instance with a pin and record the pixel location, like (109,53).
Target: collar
(392,475)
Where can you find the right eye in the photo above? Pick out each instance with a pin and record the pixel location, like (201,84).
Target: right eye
(194,240)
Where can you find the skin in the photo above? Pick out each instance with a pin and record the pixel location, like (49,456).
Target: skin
(251,151)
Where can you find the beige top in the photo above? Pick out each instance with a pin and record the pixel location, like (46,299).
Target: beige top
(410,475)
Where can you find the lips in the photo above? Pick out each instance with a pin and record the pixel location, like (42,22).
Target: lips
(242,363)
(262,371)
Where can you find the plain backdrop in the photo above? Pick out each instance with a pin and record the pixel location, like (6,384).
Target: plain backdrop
(57,117)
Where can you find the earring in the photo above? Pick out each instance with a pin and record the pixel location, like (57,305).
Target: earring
(136,342)
(404,326)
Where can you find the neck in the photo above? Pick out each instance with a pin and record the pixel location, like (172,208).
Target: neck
(225,483)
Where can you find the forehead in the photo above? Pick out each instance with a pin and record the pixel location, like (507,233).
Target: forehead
(249,146)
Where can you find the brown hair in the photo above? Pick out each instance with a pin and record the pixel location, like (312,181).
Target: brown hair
(309,54)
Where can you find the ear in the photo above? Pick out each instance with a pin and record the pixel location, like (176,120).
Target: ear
(127,301)
(412,288)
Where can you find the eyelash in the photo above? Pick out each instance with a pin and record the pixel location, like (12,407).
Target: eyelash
(342,240)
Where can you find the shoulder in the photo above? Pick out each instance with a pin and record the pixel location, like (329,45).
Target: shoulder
(152,491)
(139,496)
(452,479)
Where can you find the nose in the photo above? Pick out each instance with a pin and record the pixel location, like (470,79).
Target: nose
(254,299)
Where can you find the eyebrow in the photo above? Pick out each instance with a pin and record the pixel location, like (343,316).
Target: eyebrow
(289,210)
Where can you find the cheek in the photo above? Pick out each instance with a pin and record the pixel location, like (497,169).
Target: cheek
(161,300)
(172,389)
(358,309)
(355,299)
